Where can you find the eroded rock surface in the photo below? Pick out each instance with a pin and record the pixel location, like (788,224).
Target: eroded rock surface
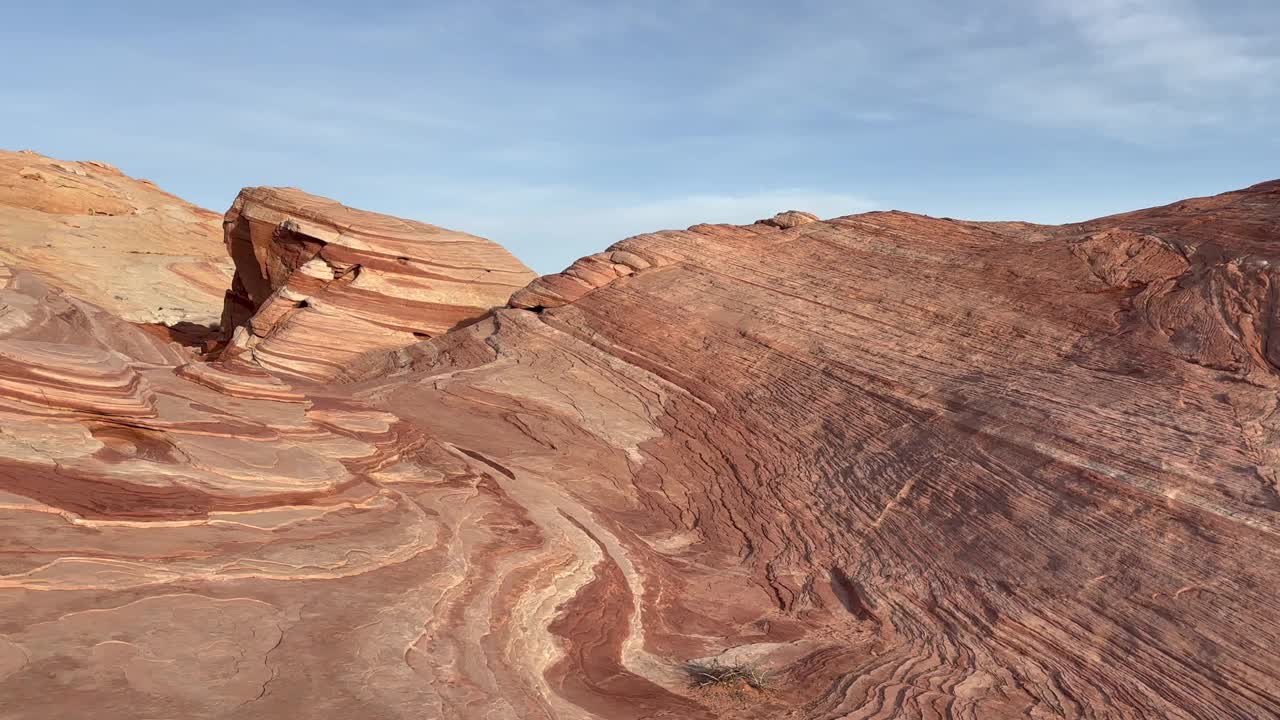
(907,467)
(122,244)
(318,284)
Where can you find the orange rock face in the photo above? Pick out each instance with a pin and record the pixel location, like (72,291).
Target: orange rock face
(122,244)
(893,466)
(318,284)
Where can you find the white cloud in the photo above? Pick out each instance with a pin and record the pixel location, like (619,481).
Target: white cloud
(1166,38)
(682,211)
(1145,66)
(1132,69)
(549,228)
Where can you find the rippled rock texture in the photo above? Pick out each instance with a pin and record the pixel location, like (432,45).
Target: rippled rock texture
(899,467)
(319,284)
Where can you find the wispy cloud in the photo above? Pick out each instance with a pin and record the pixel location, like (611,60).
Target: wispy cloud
(1150,66)
(1171,42)
(1127,69)
(523,219)
(560,126)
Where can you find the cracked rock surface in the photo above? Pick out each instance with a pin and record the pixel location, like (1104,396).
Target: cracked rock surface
(902,467)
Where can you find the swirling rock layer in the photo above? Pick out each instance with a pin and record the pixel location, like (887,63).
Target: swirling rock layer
(318,284)
(903,467)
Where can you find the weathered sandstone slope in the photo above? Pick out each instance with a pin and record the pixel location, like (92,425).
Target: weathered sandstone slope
(907,467)
(120,243)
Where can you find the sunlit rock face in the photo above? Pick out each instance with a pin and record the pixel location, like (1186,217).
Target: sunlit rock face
(318,284)
(122,244)
(901,467)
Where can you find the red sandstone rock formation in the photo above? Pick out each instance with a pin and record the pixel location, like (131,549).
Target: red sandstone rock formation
(906,467)
(318,284)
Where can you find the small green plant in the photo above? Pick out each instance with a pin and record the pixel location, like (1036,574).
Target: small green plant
(715,674)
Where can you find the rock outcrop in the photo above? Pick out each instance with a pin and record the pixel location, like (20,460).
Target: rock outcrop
(122,244)
(318,284)
(900,467)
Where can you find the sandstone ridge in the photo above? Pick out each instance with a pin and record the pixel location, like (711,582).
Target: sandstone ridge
(898,466)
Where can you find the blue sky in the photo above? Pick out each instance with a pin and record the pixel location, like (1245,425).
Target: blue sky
(557,127)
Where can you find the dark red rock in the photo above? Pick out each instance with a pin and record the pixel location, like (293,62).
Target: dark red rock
(906,467)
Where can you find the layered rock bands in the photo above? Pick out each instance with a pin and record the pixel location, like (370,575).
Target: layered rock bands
(883,466)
